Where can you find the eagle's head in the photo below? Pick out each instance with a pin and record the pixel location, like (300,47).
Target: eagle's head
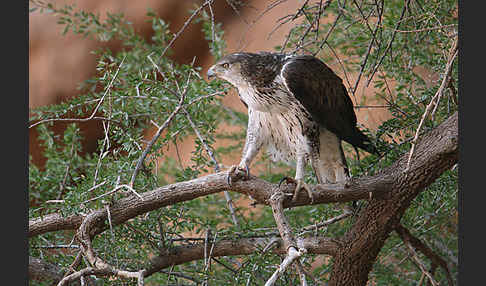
(242,69)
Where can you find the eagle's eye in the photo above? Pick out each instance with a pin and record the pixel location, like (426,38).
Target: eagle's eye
(225,65)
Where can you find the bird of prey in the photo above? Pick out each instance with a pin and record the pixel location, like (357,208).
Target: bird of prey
(298,108)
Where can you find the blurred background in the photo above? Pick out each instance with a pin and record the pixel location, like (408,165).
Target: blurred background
(59,63)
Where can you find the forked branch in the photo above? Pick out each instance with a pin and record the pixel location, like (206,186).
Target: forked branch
(414,241)
(293,252)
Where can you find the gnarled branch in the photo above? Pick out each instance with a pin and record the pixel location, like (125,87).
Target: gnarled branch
(243,246)
(293,252)
(389,194)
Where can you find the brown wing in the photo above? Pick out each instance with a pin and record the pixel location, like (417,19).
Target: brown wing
(324,96)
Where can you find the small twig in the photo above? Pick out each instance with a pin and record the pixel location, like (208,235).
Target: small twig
(113,191)
(227,196)
(188,21)
(325,223)
(182,275)
(103,153)
(368,52)
(72,119)
(95,187)
(57,246)
(302,269)
(224,265)
(213,36)
(107,207)
(54,201)
(131,189)
(206,255)
(342,66)
(328,34)
(446,82)
(272,243)
(309,28)
(420,264)
(77,261)
(434,100)
(92,116)
(409,238)
(405,8)
(211,252)
(302,273)
(148,237)
(423,29)
(250,25)
(372,106)
(170,273)
(235,9)
(155,137)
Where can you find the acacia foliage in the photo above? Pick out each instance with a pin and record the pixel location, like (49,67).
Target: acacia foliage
(139,87)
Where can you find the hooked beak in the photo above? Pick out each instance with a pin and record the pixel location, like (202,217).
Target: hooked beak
(211,74)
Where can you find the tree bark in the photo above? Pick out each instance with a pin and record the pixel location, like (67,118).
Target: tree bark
(436,152)
(243,246)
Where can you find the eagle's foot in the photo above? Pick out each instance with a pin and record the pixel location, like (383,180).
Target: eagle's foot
(300,184)
(236,168)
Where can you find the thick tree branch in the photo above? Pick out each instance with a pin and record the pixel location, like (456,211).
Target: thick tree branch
(435,153)
(243,246)
(389,194)
(43,271)
(293,252)
(283,225)
(132,206)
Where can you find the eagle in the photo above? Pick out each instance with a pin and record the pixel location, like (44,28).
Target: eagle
(298,109)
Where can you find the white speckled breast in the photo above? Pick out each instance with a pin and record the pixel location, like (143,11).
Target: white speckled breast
(282,120)
(283,133)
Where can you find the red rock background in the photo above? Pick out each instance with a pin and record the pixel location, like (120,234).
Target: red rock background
(58,63)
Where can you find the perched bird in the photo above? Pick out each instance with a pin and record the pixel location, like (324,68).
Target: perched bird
(298,109)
